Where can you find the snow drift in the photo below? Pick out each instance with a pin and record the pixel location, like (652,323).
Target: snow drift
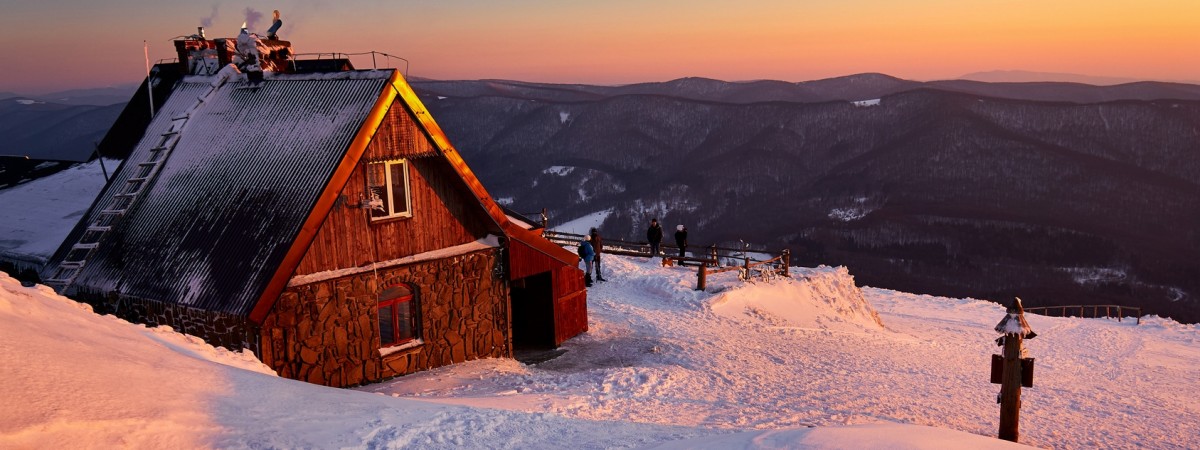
(822,298)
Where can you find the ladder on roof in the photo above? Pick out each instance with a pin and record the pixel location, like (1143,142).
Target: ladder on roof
(144,173)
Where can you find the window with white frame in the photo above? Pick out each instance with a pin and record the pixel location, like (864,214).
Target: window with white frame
(387,186)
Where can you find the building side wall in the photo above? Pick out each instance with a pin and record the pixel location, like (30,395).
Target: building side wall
(570,304)
(327,332)
(443,214)
(216,328)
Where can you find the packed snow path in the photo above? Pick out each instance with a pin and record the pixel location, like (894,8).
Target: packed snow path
(806,353)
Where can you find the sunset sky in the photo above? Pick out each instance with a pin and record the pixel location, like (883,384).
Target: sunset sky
(52,45)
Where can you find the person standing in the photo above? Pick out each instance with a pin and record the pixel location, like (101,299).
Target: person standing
(598,246)
(681,239)
(586,253)
(654,234)
(275,24)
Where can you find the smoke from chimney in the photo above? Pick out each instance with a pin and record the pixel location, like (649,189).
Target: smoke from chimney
(207,22)
(252,18)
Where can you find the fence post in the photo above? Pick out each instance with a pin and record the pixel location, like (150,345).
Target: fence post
(700,277)
(787,261)
(712,252)
(1014,329)
(545,221)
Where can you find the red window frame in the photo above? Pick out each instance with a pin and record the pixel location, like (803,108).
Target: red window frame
(398,318)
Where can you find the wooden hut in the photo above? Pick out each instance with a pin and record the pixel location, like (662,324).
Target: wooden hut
(323,221)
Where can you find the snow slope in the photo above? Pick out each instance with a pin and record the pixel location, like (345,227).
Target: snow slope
(807,353)
(39,214)
(741,366)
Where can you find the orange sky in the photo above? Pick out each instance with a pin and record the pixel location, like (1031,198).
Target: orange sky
(56,45)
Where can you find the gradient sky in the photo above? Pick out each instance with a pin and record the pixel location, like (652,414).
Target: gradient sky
(51,45)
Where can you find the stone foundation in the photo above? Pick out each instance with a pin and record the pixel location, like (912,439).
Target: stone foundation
(327,332)
(218,329)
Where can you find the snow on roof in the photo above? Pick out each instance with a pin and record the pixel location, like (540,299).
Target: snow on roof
(520,223)
(248,167)
(269,76)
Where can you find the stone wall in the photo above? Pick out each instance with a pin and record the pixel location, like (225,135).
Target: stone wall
(218,329)
(327,332)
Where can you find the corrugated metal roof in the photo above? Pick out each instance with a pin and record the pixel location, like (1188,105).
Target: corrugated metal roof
(230,200)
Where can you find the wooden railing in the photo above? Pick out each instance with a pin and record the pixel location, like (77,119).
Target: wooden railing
(613,246)
(1069,310)
(710,260)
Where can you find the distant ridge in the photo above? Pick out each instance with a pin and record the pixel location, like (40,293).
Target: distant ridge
(100,96)
(864,86)
(1025,76)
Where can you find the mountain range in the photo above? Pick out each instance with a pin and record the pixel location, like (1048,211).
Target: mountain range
(53,131)
(1059,193)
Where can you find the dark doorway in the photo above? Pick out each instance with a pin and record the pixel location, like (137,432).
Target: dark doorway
(533,312)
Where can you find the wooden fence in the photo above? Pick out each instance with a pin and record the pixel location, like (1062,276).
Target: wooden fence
(709,260)
(1069,310)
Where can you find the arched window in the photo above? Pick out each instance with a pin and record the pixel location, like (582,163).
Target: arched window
(398,321)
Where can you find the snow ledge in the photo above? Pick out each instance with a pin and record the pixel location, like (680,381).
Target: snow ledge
(490,241)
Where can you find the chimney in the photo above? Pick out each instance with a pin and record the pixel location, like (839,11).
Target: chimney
(200,56)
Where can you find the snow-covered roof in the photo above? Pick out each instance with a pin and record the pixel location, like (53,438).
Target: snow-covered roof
(249,165)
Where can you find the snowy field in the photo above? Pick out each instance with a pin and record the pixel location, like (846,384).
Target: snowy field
(812,362)
(39,214)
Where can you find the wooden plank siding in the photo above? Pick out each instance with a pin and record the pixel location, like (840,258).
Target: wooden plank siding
(570,304)
(568,280)
(525,260)
(444,214)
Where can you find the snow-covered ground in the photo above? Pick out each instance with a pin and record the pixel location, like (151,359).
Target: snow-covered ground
(801,363)
(583,225)
(39,214)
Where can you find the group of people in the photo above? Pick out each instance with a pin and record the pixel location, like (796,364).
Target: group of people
(589,251)
(654,235)
(592,246)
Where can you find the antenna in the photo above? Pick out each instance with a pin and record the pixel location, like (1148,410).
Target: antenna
(100,157)
(149,80)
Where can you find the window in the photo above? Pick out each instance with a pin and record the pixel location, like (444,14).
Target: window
(397,316)
(387,186)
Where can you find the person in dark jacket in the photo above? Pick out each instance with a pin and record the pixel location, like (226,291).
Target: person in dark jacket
(654,234)
(598,245)
(275,24)
(586,253)
(681,239)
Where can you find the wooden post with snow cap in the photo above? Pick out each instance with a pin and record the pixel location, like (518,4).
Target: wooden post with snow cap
(1014,329)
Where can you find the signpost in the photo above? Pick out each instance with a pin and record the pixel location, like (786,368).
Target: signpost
(1012,370)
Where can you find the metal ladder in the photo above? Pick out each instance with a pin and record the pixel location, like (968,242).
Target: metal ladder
(143,175)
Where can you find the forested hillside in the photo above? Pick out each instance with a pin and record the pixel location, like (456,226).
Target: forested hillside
(926,190)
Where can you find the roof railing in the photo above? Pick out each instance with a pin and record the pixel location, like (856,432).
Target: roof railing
(378,59)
